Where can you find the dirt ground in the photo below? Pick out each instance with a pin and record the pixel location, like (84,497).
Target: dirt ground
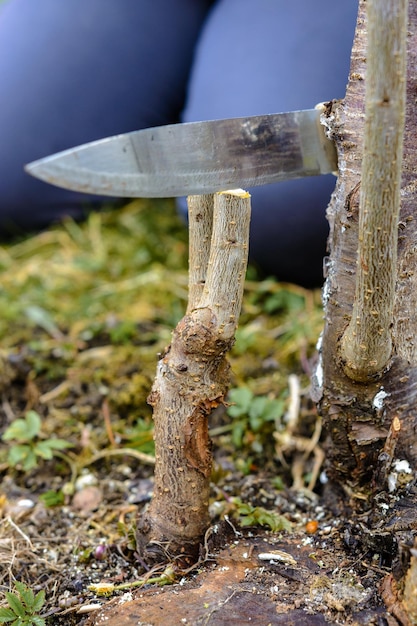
(311,574)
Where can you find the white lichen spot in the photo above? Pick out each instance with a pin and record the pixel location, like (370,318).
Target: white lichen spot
(402,466)
(307,541)
(319,368)
(378,401)
(325,294)
(400,475)
(126,597)
(319,373)
(392,482)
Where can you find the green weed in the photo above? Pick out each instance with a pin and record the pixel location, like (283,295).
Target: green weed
(249,515)
(29,448)
(258,415)
(24,607)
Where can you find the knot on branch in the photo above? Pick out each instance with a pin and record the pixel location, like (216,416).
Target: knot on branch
(200,333)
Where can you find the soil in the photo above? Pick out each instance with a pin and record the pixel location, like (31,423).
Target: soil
(318,572)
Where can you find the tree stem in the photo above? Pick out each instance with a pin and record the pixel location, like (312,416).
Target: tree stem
(366,346)
(193,378)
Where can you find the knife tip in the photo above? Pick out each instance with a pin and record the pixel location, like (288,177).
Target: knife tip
(31,168)
(38,169)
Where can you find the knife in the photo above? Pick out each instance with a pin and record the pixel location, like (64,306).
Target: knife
(195,158)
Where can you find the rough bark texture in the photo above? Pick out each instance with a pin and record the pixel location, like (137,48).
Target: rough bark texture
(369,425)
(366,344)
(193,378)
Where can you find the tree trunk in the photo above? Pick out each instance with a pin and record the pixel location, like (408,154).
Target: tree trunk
(193,378)
(371,425)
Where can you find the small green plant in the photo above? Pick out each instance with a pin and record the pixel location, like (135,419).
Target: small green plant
(52,498)
(252,413)
(249,515)
(29,447)
(24,607)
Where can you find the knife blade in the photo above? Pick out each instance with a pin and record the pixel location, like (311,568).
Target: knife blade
(196,157)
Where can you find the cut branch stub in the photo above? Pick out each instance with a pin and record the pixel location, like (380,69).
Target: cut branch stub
(366,345)
(193,378)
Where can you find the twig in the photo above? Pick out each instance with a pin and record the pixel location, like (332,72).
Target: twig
(146,459)
(20,531)
(107,422)
(200,219)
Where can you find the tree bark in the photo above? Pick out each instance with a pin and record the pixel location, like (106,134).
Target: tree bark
(370,425)
(193,378)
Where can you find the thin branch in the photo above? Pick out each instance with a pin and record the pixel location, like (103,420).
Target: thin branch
(223,290)
(366,347)
(200,225)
